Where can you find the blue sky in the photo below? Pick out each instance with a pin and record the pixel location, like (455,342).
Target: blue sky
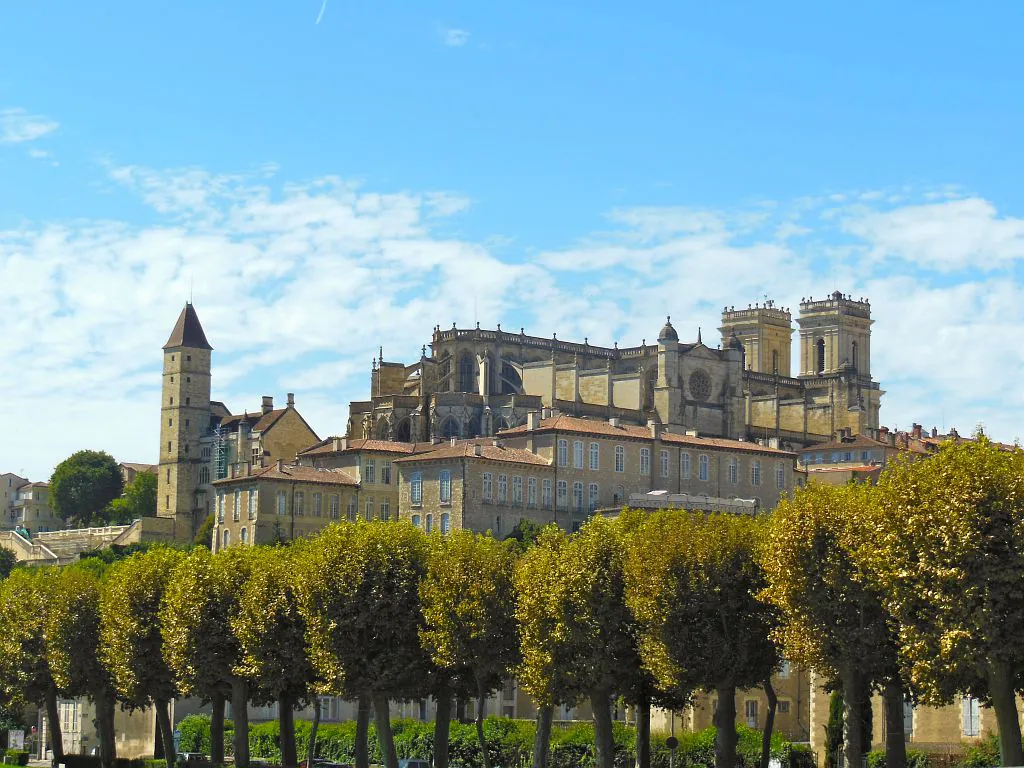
(579,168)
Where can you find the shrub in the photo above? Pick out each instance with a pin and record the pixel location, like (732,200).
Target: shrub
(93,761)
(15,757)
(915,759)
(981,754)
(195,734)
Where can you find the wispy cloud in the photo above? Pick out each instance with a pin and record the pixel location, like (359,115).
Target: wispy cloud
(453,37)
(18,125)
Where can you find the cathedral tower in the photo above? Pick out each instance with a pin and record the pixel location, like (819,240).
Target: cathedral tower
(765,333)
(835,336)
(184,417)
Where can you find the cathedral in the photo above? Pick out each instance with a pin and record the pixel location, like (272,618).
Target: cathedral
(477,382)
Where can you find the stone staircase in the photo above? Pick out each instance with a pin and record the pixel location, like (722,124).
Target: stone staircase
(61,547)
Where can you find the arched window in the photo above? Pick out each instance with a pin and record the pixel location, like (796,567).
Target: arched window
(446,522)
(819,352)
(243,536)
(227,539)
(511,382)
(853,354)
(430,523)
(467,374)
(450,428)
(402,431)
(775,361)
(416,520)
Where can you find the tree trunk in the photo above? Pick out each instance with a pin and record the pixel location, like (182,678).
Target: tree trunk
(481,703)
(643,734)
(895,738)
(286,730)
(386,739)
(442,728)
(362,750)
(240,716)
(725,723)
(105,725)
(542,738)
(601,704)
(460,709)
(53,726)
(1000,687)
(217,729)
(853,717)
(311,747)
(769,724)
(163,723)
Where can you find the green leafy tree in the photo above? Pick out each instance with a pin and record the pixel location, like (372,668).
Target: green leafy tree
(132,640)
(832,616)
(7,562)
(581,636)
(693,581)
(83,485)
(272,635)
(524,533)
(468,598)
(199,603)
(360,598)
(204,536)
(137,501)
(947,551)
(834,731)
(73,646)
(25,675)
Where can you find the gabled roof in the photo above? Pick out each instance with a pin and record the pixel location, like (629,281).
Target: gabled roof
(326,447)
(135,467)
(860,441)
(295,473)
(188,331)
(468,449)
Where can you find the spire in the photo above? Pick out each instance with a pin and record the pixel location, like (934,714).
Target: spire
(188,331)
(698,336)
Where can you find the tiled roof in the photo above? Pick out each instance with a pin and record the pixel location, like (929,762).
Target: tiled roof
(834,468)
(468,448)
(605,428)
(295,473)
(268,420)
(188,331)
(385,446)
(140,467)
(257,421)
(860,441)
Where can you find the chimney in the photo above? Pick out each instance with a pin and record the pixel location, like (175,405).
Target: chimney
(533,420)
(614,421)
(232,469)
(268,404)
(453,441)
(692,433)
(935,431)
(280,465)
(915,431)
(477,451)
(545,413)
(496,443)
(655,429)
(291,399)
(336,444)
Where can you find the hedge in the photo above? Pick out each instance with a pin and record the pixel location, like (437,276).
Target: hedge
(915,759)
(15,757)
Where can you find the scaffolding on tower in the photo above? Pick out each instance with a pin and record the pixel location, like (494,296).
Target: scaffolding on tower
(220,453)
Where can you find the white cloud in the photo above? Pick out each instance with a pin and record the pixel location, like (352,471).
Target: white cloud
(18,125)
(455,38)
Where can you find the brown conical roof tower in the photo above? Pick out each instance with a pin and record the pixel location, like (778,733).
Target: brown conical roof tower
(188,331)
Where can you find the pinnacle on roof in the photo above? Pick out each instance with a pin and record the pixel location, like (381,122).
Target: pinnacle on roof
(668,333)
(188,331)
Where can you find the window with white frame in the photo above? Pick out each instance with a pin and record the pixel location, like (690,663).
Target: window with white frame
(734,470)
(645,461)
(497,525)
(300,503)
(368,509)
(755,472)
(531,492)
(782,707)
(351,511)
(750,712)
(908,719)
(593,496)
(446,522)
(220,507)
(562,498)
(227,538)
(318,500)
(563,453)
(335,506)
(416,519)
(385,472)
(444,480)
(282,503)
(502,489)
(385,510)
(371,471)
(546,493)
(780,476)
(595,456)
(577,454)
(620,459)
(704,467)
(236,512)
(517,490)
(253,502)
(684,465)
(577,496)
(488,486)
(664,463)
(243,535)
(430,523)
(970,709)
(416,488)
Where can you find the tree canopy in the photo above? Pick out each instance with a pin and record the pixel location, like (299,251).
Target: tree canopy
(83,485)
(137,501)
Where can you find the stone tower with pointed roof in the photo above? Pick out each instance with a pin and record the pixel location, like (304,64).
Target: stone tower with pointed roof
(184,418)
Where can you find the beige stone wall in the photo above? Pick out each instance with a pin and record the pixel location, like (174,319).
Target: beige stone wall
(289,435)
(357,464)
(626,391)
(428,514)
(595,386)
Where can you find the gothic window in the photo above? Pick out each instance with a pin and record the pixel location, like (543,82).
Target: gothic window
(853,354)
(402,431)
(450,428)
(819,355)
(467,374)
(511,382)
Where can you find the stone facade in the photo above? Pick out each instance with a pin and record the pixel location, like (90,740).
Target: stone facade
(476,382)
(31,509)
(9,485)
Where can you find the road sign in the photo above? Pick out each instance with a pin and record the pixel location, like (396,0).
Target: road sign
(672,743)
(16,740)
(177,739)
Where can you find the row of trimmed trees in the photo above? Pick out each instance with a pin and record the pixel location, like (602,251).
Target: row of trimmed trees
(914,588)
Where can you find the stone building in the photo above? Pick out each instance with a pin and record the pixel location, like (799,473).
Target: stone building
(200,438)
(476,382)
(32,510)
(563,469)
(9,485)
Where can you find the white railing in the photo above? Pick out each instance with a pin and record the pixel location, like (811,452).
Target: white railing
(32,550)
(109,531)
(664,500)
